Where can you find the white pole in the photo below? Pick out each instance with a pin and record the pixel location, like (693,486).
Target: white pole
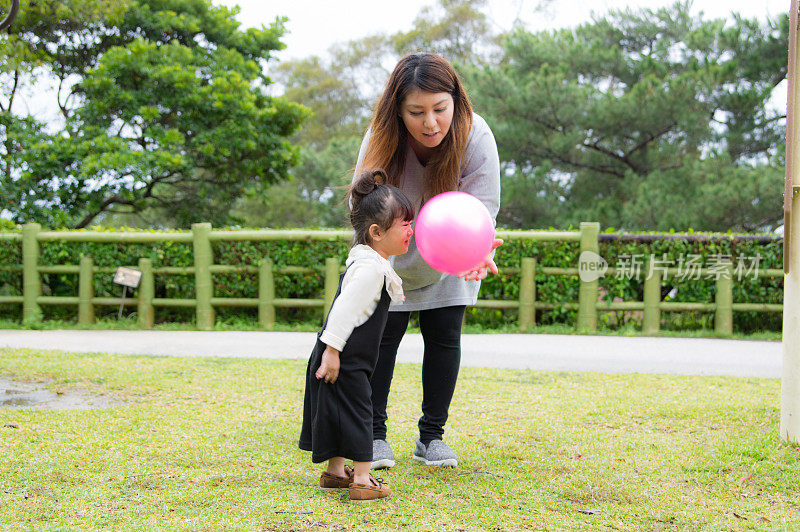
(122,303)
(790,378)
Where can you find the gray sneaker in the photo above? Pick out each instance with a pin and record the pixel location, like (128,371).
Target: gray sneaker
(437,453)
(382,455)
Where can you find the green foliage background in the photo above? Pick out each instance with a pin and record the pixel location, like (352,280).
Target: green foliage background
(556,290)
(165,112)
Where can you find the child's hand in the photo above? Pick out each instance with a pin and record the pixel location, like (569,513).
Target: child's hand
(329,367)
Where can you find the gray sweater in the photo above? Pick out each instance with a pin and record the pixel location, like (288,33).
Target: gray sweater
(424,287)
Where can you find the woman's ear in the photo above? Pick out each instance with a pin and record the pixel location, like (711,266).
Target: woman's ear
(375,232)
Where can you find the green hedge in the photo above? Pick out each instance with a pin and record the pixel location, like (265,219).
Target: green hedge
(561,289)
(552,289)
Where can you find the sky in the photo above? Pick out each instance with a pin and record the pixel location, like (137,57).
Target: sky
(315,25)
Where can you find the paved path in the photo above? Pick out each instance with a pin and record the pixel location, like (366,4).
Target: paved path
(548,352)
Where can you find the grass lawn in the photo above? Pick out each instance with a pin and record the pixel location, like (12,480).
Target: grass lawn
(209,444)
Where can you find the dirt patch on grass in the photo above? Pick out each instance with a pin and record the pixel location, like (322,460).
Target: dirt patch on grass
(34,395)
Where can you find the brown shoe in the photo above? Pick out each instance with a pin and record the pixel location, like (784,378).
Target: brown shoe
(328,481)
(376,489)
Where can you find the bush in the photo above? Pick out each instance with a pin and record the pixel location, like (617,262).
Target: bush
(556,290)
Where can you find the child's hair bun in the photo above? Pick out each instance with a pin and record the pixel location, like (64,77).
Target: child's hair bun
(364,184)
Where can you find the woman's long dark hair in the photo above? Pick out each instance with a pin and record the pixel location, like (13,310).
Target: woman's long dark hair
(388,141)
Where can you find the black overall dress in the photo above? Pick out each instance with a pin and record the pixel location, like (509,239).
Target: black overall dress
(337,417)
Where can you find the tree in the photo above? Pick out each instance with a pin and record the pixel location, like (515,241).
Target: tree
(329,141)
(457,29)
(340,91)
(330,90)
(164,107)
(313,196)
(650,119)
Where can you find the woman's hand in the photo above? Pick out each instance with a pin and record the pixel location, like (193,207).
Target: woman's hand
(479,272)
(329,367)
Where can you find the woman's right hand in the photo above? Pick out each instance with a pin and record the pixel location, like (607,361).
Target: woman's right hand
(479,272)
(329,367)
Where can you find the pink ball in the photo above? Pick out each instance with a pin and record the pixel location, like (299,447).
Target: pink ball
(454,232)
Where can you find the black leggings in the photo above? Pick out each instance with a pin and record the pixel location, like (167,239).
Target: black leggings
(441,333)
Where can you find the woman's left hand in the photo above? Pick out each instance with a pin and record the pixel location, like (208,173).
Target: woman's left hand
(479,272)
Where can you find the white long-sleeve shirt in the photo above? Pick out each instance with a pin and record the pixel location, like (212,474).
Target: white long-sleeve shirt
(362,286)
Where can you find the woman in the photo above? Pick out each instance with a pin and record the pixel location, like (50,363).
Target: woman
(425,135)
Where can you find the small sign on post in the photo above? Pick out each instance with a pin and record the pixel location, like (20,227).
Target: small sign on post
(127,277)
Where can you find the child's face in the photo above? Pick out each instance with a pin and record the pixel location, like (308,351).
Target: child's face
(394,241)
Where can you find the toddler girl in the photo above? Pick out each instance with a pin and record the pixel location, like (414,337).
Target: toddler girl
(337,410)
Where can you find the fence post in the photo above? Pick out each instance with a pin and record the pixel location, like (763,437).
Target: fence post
(587,293)
(651,322)
(723,315)
(527,294)
(86,291)
(331,283)
(146,293)
(266,294)
(31,280)
(203,287)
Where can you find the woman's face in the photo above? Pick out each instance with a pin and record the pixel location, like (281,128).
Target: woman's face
(427,116)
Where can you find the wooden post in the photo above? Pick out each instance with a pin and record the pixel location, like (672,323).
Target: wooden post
(86,291)
(331,283)
(527,294)
(651,322)
(146,293)
(266,294)
(31,280)
(790,372)
(723,316)
(203,287)
(587,294)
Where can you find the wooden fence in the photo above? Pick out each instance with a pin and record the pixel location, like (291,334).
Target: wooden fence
(204,269)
